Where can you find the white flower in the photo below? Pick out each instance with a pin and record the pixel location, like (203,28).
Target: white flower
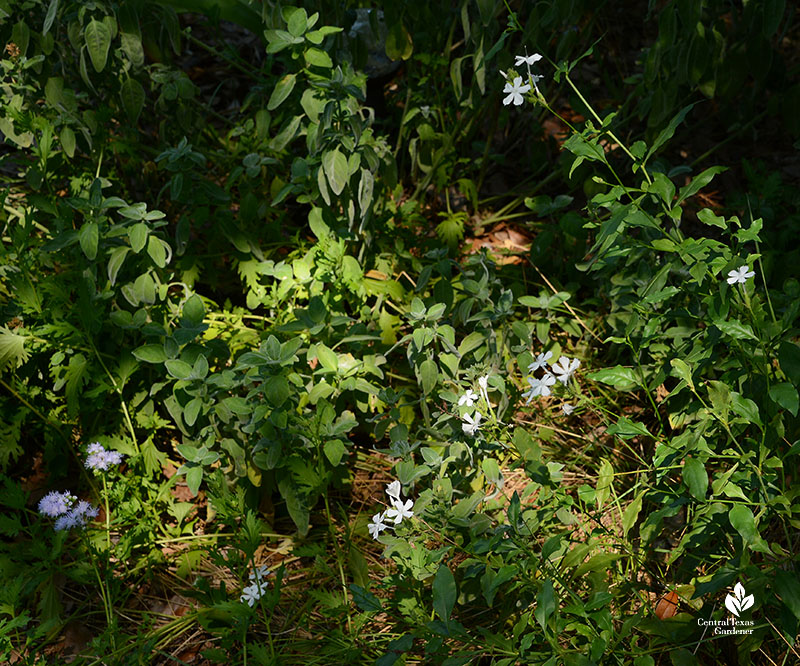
(504,75)
(483,382)
(259,573)
(515,91)
(567,409)
(539,387)
(468,399)
(527,60)
(472,424)
(540,362)
(377,525)
(393,490)
(565,368)
(252,593)
(741,275)
(399,511)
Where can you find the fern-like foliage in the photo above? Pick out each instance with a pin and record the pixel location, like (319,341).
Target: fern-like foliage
(12,349)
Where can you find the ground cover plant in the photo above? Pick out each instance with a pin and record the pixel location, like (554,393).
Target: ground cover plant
(399,333)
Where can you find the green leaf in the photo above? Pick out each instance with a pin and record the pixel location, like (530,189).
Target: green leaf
(743,521)
(12,348)
(98,41)
(698,183)
(327,358)
(67,138)
(429,375)
(115,262)
(545,603)
(157,251)
(194,311)
(444,592)
(194,477)
(399,45)
(666,134)
(736,329)
(89,235)
(786,396)
(789,358)
(605,478)
(50,16)
(295,504)
(192,411)
(178,369)
(318,58)
(150,353)
(297,21)
(681,370)
(334,450)
(621,378)
(335,166)
(787,586)
(365,600)
(696,478)
(707,216)
(132,95)
(282,90)
(631,513)
(276,390)
(137,235)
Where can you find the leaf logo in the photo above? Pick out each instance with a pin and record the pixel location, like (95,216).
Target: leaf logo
(738,602)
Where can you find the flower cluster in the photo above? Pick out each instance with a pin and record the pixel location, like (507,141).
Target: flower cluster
(100,459)
(257,587)
(472,423)
(515,89)
(562,371)
(68,511)
(396,513)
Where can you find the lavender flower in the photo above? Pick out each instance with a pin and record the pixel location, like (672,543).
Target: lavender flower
(55,504)
(100,459)
(78,516)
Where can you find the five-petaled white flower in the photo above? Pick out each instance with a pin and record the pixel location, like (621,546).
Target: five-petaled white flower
(377,525)
(567,408)
(565,368)
(259,573)
(468,399)
(393,490)
(515,91)
(527,60)
(540,362)
(472,424)
(399,511)
(252,593)
(740,275)
(539,387)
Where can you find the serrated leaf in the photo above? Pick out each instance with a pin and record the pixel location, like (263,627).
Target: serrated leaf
(12,348)
(365,600)
(98,41)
